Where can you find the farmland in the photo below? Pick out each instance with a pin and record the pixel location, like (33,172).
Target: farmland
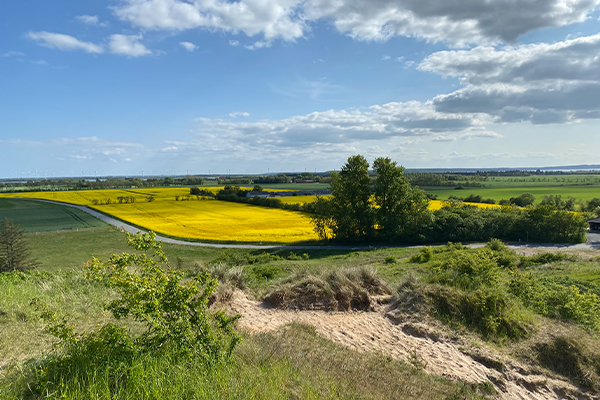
(582,187)
(197,219)
(210,220)
(42,217)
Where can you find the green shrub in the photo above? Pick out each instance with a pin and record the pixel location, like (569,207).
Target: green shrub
(171,310)
(468,270)
(423,256)
(543,258)
(489,311)
(556,298)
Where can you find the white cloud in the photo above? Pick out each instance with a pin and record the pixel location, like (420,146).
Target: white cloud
(64,42)
(91,20)
(13,54)
(385,57)
(272,19)
(127,45)
(458,22)
(258,45)
(236,114)
(234,43)
(336,129)
(188,46)
(541,83)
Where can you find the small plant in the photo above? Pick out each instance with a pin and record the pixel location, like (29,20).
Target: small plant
(172,308)
(416,360)
(424,255)
(390,260)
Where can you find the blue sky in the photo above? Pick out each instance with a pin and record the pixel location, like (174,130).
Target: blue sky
(175,86)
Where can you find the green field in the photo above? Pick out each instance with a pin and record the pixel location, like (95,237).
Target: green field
(35,216)
(580,192)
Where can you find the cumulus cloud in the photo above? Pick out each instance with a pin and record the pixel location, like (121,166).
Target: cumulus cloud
(457,22)
(334,130)
(541,83)
(127,45)
(63,42)
(273,19)
(569,60)
(91,20)
(234,43)
(188,46)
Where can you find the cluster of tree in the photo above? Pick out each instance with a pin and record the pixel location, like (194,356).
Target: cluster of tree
(433,179)
(473,198)
(392,210)
(96,184)
(238,195)
(524,200)
(542,223)
(14,251)
(196,191)
(395,211)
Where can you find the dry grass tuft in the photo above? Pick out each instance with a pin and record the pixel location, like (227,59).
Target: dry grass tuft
(341,290)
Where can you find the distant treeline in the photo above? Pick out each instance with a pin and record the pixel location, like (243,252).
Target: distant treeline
(238,195)
(108,183)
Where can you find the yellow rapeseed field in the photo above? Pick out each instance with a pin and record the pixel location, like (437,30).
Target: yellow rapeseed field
(433,204)
(195,219)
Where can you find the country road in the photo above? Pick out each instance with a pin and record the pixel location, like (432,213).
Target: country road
(593,239)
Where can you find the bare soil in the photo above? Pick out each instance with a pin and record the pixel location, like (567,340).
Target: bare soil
(419,344)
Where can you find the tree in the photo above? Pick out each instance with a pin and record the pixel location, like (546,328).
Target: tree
(14,252)
(401,211)
(524,200)
(351,200)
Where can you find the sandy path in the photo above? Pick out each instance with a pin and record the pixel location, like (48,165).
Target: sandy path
(373,331)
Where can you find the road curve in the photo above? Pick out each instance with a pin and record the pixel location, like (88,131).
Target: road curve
(593,242)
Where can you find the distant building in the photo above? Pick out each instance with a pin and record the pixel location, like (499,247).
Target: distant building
(594,224)
(258,194)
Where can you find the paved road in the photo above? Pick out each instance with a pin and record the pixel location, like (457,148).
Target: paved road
(593,241)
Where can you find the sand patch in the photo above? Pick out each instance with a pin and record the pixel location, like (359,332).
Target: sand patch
(418,344)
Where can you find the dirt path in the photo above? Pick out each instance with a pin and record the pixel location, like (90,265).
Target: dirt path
(414,343)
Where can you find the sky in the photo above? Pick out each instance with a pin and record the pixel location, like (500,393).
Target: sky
(168,87)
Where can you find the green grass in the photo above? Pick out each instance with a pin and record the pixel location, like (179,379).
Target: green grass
(291,363)
(580,192)
(35,216)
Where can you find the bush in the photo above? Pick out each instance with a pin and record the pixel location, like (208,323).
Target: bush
(489,311)
(172,311)
(555,298)
(468,270)
(423,256)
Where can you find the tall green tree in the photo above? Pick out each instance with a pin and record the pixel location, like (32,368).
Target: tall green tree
(14,251)
(401,211)
(351,205)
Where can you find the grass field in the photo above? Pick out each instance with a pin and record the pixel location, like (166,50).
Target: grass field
(580,192)
(34,216)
